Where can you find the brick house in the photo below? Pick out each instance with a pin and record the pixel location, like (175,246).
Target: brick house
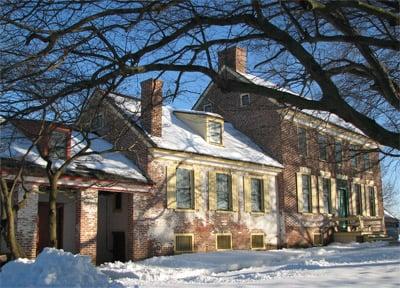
(325,176)
(181,181)
(212,187)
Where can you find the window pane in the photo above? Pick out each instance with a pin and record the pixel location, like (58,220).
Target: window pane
(367,162)
(306,193)
(183,243)
(338,152)
(256,195)
(357,191)
(223,192)
(224,242)
(245,99)
(326,187)
(372,201)
(323,153)
(257,241)
(302,141)
(353,156)
(184,191)
(58,145)
(214,132)
(208,108)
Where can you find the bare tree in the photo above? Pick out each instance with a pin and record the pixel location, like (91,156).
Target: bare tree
(340,56)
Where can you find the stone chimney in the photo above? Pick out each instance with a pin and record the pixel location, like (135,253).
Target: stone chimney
(233,57)
(151,106)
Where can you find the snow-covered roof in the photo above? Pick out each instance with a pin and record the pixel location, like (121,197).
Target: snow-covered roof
(15,145)
(178,136)
(323,115)
(389,215)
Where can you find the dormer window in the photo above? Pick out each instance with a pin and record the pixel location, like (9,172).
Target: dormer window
(214,131)
(244,100)
(207,107)
(58,144)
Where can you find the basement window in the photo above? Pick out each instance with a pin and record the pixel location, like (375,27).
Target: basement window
(257,241)
(224,242)
(183,243)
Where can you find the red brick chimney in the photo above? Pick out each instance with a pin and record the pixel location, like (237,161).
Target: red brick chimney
(233,57)
(151,106)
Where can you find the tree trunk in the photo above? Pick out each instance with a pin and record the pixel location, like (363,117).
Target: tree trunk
(12,242)
(53,213)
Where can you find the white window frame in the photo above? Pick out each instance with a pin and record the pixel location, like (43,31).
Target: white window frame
(221,124)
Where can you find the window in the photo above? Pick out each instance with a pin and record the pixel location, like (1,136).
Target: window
(372,207)
(224,242)
(184,189)
(302,134)
(244,100)
(58,145)
(118,201)
(338,152)
(207,107)
(366,162)
(214,132)
(257,241)
(353,156)
(224,192)
(256,195)
(326,195)
(98,121)
(183,243)
(323,147)
(357,191)
(306,182)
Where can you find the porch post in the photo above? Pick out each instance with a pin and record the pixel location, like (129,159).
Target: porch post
(86,222)
(27,220)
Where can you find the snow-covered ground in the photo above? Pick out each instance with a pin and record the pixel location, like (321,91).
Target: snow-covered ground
(336,265)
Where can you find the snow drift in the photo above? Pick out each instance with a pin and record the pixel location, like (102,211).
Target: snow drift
(53,268)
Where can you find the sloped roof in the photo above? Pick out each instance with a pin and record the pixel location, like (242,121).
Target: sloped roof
(323,115)
(15,145)
(178,136)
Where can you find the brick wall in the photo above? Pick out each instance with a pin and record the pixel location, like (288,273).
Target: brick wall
(86,222)
(27,219)
(278,137)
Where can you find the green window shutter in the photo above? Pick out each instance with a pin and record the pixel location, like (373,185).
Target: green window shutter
(171,187)
(211,190)
(299,185)
(314,194)
(267,198)
(321,195)
(247,194)
(235,198)
(197,190)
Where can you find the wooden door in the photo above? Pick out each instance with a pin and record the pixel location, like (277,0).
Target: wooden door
(118,246)
(43,226)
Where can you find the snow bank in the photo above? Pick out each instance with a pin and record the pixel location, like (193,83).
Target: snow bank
(244,267)
(53,268)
